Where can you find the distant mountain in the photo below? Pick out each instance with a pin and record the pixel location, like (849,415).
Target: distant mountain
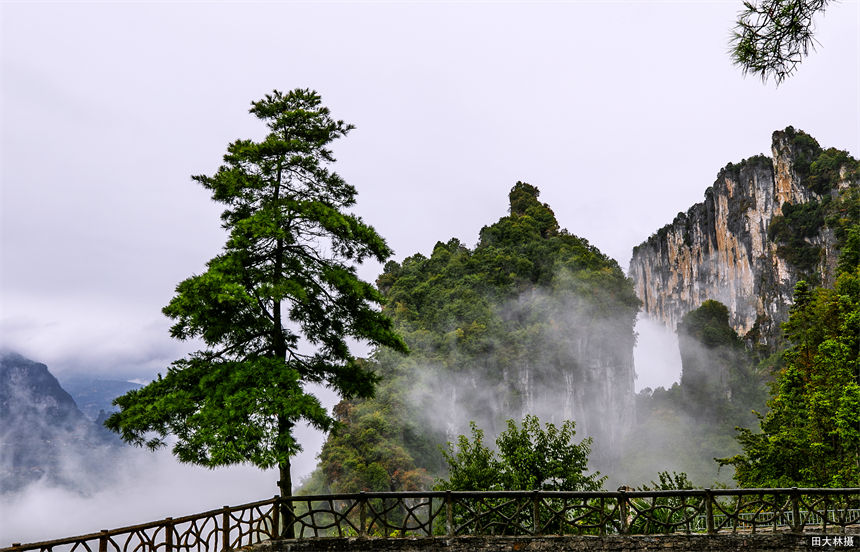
(95,395)
(43,434)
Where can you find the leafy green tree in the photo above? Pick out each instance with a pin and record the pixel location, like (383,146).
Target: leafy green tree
(275,309)
(473,466)
(664,512)
(772,37)
(673,481)
(811,435)
(526,457)
(849,259)
(367,454)
(530,457)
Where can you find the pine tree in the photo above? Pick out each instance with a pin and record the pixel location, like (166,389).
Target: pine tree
(274,309)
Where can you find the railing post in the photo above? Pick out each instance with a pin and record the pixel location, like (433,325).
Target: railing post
(603,519)
(103,541)
(824,519)
(168,534)
(796,525)
(535,513)
(709,511)
(290,519)
(449,514)
(362,515)
(622,511)
(276,517)
(225,529)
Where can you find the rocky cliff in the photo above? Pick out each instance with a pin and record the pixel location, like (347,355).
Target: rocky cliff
(725,248)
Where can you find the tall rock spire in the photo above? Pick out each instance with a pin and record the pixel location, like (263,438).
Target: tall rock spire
(720,248)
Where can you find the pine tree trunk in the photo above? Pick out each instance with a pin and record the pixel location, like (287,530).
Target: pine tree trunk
(285,484)
(286,487)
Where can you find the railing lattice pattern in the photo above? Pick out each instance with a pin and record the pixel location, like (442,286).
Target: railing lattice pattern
(454,513)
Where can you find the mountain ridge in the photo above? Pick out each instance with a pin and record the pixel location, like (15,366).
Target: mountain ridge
(44,435)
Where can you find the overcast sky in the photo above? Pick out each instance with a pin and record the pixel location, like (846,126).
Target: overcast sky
(622,113)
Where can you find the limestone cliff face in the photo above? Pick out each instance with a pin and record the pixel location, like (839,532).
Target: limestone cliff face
(720,249)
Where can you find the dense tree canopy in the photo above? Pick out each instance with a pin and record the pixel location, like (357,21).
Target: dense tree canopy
(286,275)
(811,435)
(529,457)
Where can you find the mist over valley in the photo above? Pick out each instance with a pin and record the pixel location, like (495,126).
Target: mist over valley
(580,212)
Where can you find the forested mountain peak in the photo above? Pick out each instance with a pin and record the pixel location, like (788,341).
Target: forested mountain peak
(526,213)
(533,320)
(522,252)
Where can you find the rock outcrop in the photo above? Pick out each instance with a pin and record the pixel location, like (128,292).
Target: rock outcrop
(720,249)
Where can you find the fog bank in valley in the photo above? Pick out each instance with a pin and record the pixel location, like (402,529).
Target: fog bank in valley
(108,487)
(145,486)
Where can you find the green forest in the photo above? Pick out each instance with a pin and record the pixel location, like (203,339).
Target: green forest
(742,414)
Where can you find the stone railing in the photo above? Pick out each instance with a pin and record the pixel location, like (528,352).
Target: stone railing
(498,513)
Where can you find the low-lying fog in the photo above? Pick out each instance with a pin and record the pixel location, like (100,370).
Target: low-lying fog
(147,486)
